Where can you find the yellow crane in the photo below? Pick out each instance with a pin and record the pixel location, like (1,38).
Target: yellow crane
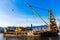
(52,25)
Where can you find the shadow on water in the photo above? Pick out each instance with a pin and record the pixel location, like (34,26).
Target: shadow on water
(31,38)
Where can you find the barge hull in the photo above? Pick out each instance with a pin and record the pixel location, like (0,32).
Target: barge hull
(48,34)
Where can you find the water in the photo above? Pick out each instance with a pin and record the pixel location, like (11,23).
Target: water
(28,38)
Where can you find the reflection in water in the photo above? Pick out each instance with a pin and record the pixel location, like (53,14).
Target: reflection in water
(1,36)
(53,38)
(44,38)
(31,38)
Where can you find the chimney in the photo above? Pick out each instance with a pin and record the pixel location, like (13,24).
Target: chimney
(31,26)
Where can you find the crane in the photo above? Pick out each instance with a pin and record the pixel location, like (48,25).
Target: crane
(52,25)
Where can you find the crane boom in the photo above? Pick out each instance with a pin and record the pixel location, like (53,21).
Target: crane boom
(36,13)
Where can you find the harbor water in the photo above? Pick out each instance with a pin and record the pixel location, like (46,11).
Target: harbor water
(28,38)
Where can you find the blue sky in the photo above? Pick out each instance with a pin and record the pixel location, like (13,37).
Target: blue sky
(16,12)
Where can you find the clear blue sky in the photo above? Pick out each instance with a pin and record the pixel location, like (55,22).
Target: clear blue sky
(15,12)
